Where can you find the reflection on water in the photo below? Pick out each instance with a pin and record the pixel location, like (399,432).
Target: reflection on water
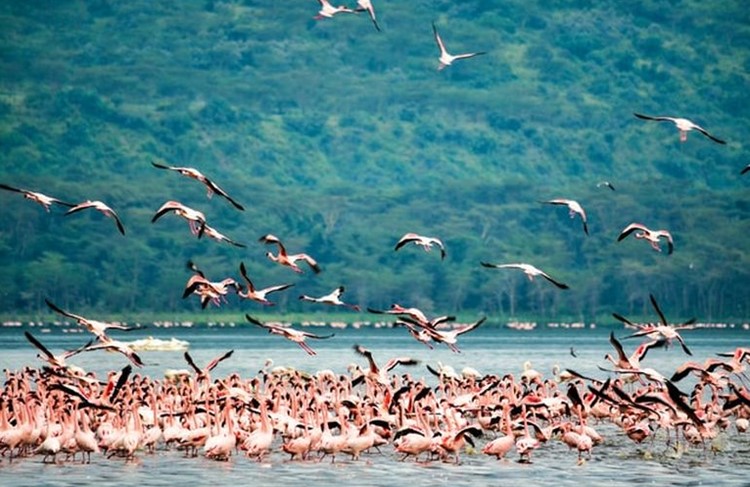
(490,350)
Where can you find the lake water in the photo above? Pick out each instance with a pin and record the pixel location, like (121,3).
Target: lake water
(488,349)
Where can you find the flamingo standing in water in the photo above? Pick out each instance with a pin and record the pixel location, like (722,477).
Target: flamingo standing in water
(574,209)
(99,206)
(333,299)
(258,295)
(297,336)
(42,199)
(285,259)
(446,59)
(683,125)
(529,270)
(193,173)
(425,242)
(653,237)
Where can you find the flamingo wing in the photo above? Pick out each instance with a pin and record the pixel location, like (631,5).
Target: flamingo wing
(630,229)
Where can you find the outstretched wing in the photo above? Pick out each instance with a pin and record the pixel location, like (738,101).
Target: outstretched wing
(212,365)
(63,312)
(124,374)
(38,344)
(191,363)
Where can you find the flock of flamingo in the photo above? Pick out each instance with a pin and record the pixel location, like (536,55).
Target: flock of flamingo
(60,412)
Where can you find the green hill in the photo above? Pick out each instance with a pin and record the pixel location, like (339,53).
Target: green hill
(339,139)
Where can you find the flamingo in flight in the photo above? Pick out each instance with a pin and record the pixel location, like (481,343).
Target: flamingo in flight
(98,328)
(49,357)
(204,373)
(449,337)
(297,336)
(42,199)
(529,270)
(653,237)
(446,59)
(574,208)
(106,343)
(198,176)
(258,295)
(333,299)
(285,259)
(606,184)
(664,330)
(425,242)
(196,219)
(211,232)
(99,206)
(366,6)
(380,374)
(745,169)
(208,291)
(683,125)
(327,11)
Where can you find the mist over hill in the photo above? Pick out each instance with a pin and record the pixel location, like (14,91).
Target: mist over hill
(339,139)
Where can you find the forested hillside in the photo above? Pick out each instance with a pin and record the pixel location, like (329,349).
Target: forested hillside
(339,139)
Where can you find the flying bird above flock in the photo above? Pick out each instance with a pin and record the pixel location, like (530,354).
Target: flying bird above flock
(97,328)
(102,208)
(297,336)
(211,186)
(196,219)
(211,232)
(683,125)
(208,291)
(425,242)
(332,299)
(664,333)
(446,59)
(653,237)
(529,270)
(258,295)
(574,208)
(289,260)
(42,199)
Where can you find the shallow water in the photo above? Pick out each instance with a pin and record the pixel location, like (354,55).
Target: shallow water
(490,350)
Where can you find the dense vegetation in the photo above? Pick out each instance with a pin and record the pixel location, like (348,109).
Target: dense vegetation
(339,139)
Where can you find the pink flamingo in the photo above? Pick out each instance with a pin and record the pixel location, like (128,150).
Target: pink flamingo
(42,199)
(198,176)
(296,336)
(331,299)
(653,237)
(255,294)
(446,59)
(286,259)
(101,207)
(683,125)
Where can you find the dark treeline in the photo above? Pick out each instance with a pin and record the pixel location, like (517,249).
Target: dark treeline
(339,139)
